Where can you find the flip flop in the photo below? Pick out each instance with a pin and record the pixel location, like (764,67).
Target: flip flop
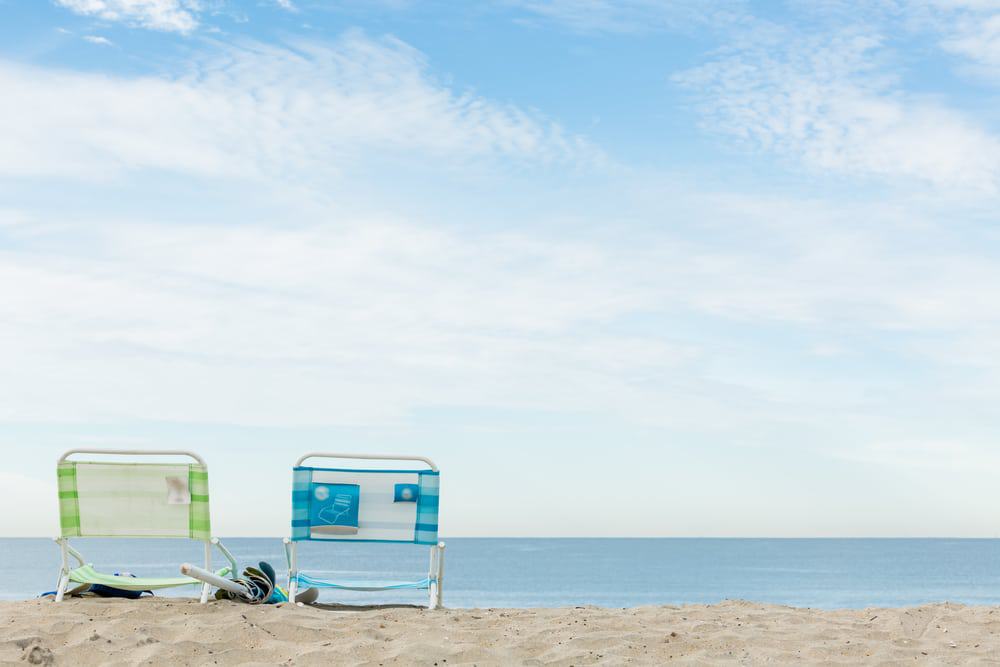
(269,572)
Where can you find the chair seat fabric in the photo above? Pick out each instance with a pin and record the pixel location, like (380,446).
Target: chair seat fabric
(88,575)
(306,581)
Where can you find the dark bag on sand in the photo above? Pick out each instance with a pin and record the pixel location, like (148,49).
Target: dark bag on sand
(108,592)
(111,592)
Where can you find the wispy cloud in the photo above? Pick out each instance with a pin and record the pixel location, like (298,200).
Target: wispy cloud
(256,110)
(827,101)
(975,35)
(97,39)
(345,310)
(273,323)
(167,15)
(625,16)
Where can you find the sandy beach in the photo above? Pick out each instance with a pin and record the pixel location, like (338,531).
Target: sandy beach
(161,631)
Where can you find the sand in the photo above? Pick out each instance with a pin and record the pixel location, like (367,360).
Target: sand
(181,632)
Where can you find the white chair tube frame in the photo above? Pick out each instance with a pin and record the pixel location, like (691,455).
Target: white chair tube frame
(293,569)
(66,550)
(436,575)
(436,570)
(370,457)
(133,452)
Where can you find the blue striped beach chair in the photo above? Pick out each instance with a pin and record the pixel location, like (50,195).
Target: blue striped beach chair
(352,504)
(114,498)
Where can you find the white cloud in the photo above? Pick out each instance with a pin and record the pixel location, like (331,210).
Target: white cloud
(287,5)
(167,15)
(370,321)
(969,29)
(97,39)
(258,110)
(977,37)
(626,16)
(337,323)
(826,101)
(367,319)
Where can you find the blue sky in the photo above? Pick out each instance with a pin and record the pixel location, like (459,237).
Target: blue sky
(621,268)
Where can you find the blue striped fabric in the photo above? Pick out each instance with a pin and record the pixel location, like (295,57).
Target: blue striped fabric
(422,529)
(426,529)
(301,478)
(305,581)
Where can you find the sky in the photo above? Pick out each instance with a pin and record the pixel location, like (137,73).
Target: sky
(621,268)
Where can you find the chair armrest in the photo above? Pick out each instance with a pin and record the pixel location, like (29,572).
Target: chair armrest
(64,543)
(233,567)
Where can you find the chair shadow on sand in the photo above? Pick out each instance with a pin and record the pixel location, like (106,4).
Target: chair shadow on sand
(334,606)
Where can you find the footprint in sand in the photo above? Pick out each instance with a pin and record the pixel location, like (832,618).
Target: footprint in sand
(38,655)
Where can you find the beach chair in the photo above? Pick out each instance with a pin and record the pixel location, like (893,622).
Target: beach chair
(351,504)
(112,498)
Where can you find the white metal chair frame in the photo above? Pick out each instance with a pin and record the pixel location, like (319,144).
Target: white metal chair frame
(435,571)
(67,551)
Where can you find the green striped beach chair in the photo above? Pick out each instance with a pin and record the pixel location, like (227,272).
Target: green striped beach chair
(114,498)
(353,504)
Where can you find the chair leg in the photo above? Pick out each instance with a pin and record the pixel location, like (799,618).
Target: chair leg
(63,569)
(206,588)
(291,555)
(63,585)
(439,603)
(432,575)
(436,576)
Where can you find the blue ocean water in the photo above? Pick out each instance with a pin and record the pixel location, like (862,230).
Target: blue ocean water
(501,572)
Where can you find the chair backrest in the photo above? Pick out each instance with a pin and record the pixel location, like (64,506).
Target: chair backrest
(133,499)
(365,504)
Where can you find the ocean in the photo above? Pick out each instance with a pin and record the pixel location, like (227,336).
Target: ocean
(503,572)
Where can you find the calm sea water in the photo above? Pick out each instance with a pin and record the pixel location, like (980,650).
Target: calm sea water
(825,573)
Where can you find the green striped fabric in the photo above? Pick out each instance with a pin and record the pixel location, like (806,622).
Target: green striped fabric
(199,520)
(98,499)
(88,575)
(69,509)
